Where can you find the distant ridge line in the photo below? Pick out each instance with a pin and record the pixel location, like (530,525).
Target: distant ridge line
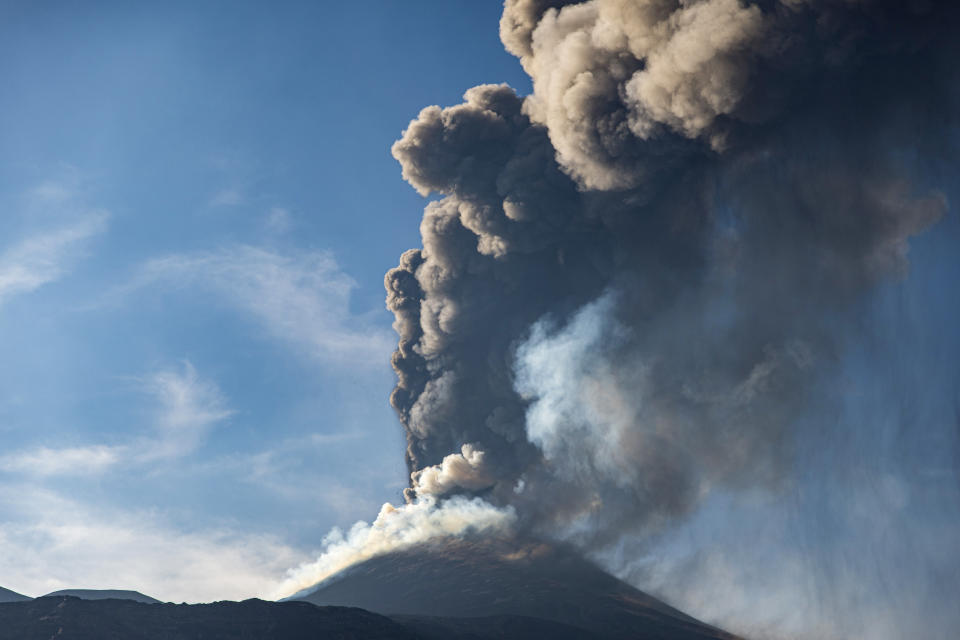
(6,595)
(104,594)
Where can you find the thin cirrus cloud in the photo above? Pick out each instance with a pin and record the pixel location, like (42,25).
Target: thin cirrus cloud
(46,461)
(227,198)
(46,256)
(187,407)
(302,298)
(279,220)
(46,540)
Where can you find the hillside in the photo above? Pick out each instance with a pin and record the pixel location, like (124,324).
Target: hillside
(70,618)
(483,579)
(11,596)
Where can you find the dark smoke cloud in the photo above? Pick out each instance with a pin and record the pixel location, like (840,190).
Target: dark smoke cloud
(634,283)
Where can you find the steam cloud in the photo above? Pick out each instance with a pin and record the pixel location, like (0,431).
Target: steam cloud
(395,529)
(633,289)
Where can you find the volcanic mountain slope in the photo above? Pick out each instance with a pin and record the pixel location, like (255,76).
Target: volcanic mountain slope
(11,596)
(492,628)
(105,594)
(71,618)
(464,579)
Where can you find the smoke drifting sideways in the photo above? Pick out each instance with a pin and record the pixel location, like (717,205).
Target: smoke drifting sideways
(397,528)
(639,292)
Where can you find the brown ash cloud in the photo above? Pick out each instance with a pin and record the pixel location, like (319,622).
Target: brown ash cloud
(634,281)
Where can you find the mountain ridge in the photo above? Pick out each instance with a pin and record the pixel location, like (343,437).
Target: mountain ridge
(6,595)
(73,618)
(104,594)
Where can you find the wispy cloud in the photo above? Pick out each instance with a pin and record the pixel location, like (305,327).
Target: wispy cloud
(227,198)
(45,461)
(47,541)
(54,192)
(289,471)
(279,220)
(302,298)
(46,256)
(189,406)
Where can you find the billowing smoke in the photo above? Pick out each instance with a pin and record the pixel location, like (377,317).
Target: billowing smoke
(635,291)
(396,529)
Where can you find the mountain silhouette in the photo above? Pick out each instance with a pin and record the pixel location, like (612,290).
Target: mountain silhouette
(104,594)
(11,596)
(498,583)
(71,618)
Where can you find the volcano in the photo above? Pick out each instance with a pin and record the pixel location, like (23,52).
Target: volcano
(488,585)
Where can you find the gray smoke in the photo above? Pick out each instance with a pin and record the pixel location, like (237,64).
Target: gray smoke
(638,278)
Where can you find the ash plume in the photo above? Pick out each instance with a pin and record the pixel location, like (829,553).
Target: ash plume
(637,283)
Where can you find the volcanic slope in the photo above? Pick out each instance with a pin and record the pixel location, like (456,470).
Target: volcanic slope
(11,596)
(485,579)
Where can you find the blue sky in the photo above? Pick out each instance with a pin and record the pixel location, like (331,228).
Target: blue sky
(197,207)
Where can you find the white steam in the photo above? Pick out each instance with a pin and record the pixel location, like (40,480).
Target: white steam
(397,528)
